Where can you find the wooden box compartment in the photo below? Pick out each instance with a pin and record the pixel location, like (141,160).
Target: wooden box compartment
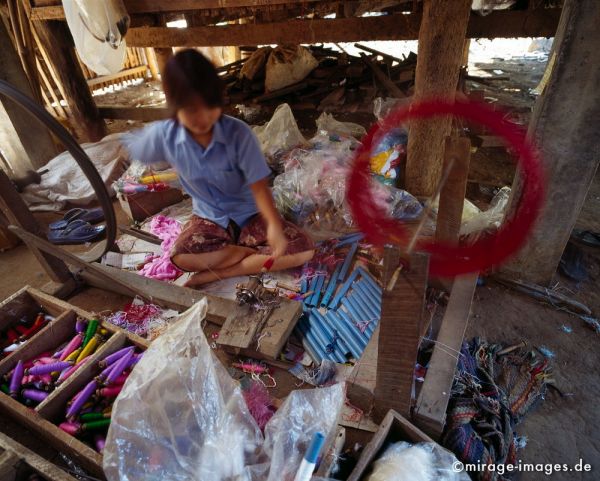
(26,303)
(393,428)
(46,416)
(18,462)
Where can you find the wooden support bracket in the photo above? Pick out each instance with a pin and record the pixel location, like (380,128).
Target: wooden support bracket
(430,411)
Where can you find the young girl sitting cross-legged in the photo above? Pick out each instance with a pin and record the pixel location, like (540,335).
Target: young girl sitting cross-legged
(235,228)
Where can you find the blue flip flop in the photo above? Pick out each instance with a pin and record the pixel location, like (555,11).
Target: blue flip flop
(76,232)
(93,216)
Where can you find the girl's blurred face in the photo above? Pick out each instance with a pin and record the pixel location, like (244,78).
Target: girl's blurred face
(198,118)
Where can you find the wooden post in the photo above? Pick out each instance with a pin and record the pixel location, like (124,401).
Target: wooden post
(56,40)
(17,213)
(21,136)
(399,332)
(152,63)
(162,57)
(441,40)
(565,126)
(457,151)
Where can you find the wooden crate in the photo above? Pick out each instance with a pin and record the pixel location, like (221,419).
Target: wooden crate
(393,428)
(46,416)
(16,458)
(142,205)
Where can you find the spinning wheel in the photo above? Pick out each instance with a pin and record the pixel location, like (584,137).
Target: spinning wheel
(82,159)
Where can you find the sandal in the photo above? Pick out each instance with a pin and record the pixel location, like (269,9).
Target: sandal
(92,216)
(76,232)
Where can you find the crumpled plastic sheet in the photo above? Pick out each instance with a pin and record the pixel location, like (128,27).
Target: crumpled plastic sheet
(65,183)
(403,461)
(279,133)
(328,123)
(311,191)
(180,416)
(491,218)
(485,7)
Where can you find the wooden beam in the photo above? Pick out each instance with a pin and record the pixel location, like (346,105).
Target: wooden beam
(56,12)
(56,40)
(27,144)
(537,23)
(115,76)
(144,114)
(441,40)
(430,411)
(568,137)
(18,213)
(399,332)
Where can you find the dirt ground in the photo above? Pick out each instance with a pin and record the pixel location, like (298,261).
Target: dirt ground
(563,429)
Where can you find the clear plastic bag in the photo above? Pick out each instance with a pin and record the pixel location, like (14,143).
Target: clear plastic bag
(98,29)
(489,219)
(382,107)
(180,416)
(311,191)
(403,461)
(388,154)
(280,133)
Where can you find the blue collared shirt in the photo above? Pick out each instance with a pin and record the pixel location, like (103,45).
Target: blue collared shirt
(217,177)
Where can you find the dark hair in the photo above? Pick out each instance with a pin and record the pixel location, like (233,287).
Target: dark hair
(190,74)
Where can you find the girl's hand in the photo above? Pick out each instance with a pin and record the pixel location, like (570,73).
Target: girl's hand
(276,239)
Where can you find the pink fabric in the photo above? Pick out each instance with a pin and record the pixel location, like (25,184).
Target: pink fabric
(161,267)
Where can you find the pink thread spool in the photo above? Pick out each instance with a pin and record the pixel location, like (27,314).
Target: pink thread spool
(71,346)
(99,442)
(70,428)
(110,392)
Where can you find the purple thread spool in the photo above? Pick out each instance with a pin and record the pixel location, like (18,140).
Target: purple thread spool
(83,396)
(120,366)
(134,360)
(80,325)
(115,356)
(34,395)
(16,379)
(105,372)
(41,369)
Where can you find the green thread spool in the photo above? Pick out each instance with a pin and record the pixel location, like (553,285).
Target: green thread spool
(93,425)
(90,331)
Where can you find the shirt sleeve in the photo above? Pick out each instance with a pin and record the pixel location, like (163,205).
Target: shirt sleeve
(147,145)
(251,160)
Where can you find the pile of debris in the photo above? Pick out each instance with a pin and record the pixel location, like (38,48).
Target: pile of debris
(318,76)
